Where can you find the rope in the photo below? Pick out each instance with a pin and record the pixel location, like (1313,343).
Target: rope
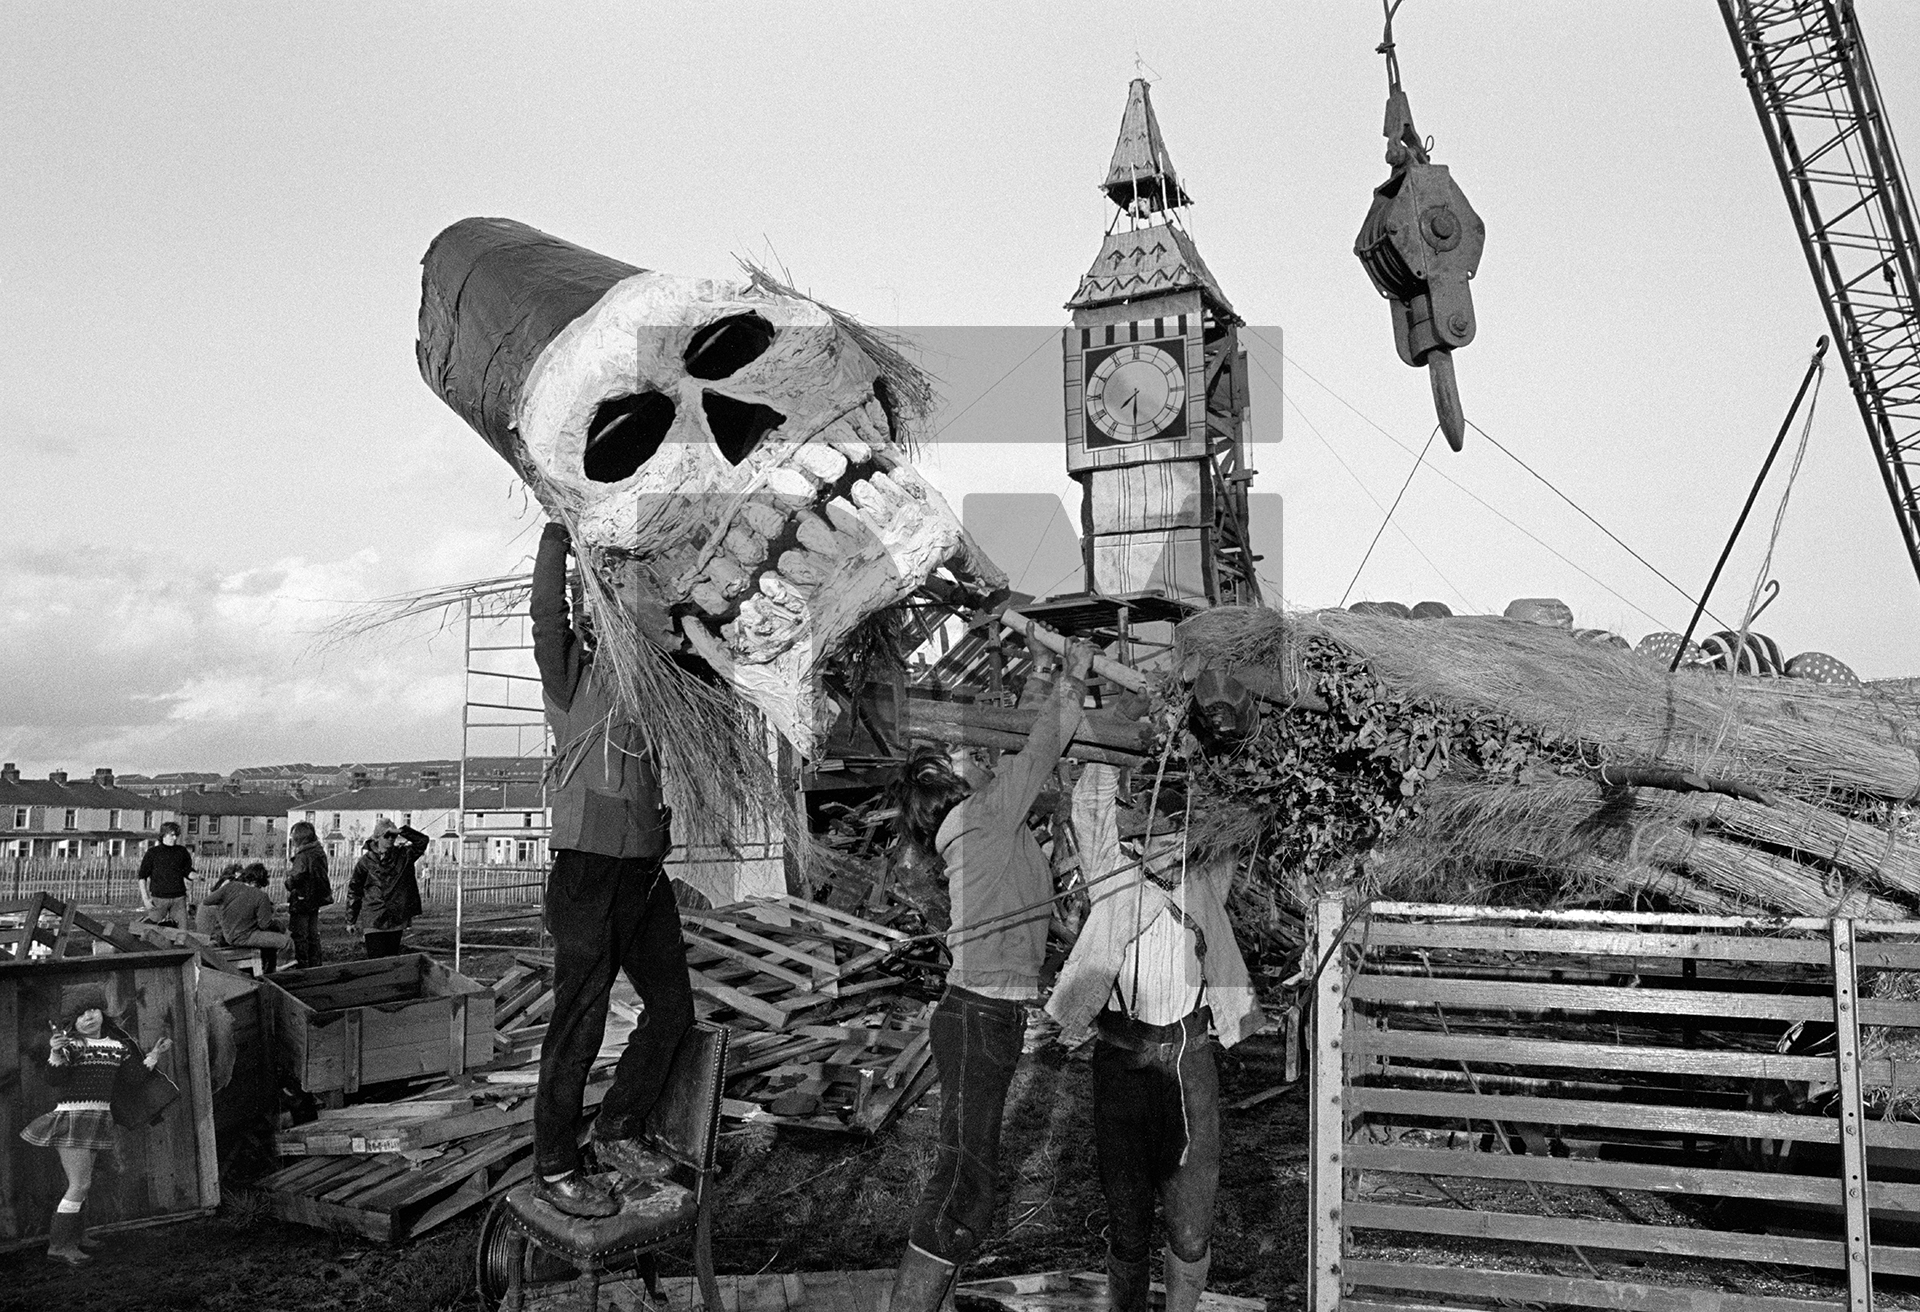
(1753,607)
(1418,461)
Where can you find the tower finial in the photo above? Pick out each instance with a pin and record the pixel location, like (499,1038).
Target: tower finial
(1141,179)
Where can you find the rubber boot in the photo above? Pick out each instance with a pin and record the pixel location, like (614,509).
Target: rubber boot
(1128,1284)
(1186,1281)
(63,1239)
(88,1243)
(922,1282)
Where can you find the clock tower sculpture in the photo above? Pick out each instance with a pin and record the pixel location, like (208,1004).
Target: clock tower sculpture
(1156,396)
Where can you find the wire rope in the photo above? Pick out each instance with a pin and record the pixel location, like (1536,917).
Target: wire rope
(1418,461)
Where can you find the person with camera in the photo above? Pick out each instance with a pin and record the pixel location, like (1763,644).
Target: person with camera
(609,906)
(383,885)
(93,1065)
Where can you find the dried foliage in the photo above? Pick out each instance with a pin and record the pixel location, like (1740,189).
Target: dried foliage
(1457,763)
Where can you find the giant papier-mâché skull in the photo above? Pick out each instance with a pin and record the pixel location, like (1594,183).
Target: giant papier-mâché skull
(729,453)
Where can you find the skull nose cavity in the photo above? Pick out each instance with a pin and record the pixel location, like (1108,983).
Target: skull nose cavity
(726,346)
(738,426)
(625,432)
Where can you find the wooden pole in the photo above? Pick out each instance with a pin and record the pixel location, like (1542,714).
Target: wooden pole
(1124,676)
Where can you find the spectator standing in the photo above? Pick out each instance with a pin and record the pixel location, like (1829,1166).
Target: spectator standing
(308,889)
(383,885)
(164,872)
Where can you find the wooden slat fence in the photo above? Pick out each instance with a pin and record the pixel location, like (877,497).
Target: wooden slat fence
(1611,1111)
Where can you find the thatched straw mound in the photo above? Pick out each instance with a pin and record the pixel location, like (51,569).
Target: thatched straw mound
(1781,735)
(1534,824)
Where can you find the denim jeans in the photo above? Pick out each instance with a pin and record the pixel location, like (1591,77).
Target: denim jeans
(976,1045)
(305,928)
(607,914)
(1156,1098)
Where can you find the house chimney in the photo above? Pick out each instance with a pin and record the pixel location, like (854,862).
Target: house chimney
(103,777)
(429,779)
(200,787)
(57,776)
(9,773)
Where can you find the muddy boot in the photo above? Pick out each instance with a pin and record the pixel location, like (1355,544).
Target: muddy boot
(88,1243)
(1186,1281)
(63,1239)
(922,1282)
(1127,1284)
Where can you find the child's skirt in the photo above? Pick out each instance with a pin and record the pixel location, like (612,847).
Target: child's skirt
(73,1125)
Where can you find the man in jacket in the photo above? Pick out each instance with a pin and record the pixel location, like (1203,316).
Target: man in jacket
(1156,976)
(308,889)
(246,917)
(609,907)
(999,884)
(383,885)
(164,872)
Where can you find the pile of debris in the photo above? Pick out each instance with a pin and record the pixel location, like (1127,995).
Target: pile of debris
(824,1038)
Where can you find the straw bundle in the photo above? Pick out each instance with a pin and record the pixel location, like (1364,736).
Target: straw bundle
(1803,739)
(1571,839)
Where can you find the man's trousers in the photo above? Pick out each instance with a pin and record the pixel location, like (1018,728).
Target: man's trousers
(607,914)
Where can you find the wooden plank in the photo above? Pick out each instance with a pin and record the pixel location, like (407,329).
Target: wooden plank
(1596,942)
(1530,996)
(1435,1045)
(412,1109)
(350,1051)
(457,1035)
(748,959)
(1379,912)
(1853,1148)
(872,933)
(1621,1115)
(1583,1233)
(1528,1289)
(1326,1117)
(745,1004)
(1654,1178)
(783,950)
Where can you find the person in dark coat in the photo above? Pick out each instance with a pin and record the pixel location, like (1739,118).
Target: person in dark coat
(383,885)
(609,906)
(308,889)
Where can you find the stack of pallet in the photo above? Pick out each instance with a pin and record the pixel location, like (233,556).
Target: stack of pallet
(392,1170)
(824,1038)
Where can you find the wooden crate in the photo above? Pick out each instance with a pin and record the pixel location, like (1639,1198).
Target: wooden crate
(339,1027)
(166,1171)
(1610,1110)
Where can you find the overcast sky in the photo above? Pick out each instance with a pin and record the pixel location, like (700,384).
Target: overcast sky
(212,433)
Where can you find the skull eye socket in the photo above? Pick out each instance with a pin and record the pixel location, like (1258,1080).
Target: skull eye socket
(738,426)
(726,346)
(625,432)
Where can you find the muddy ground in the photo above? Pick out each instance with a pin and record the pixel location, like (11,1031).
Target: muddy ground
(788,1201)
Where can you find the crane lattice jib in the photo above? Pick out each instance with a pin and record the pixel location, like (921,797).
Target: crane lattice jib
(1807,67)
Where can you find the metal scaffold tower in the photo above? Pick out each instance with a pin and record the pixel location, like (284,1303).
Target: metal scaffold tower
(504,748)
(1806,65)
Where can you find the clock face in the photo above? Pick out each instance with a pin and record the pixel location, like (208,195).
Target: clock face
(1135,391)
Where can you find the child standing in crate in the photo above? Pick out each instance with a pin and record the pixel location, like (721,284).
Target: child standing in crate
(89,1061)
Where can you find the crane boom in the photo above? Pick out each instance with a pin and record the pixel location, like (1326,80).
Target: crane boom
(1806,66)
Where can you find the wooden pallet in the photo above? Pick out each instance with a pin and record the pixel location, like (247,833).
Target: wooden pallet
(389,1197)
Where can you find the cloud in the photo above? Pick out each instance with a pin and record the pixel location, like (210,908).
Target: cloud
(145,660)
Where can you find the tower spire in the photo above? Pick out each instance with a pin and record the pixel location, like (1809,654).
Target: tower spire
(1141,179)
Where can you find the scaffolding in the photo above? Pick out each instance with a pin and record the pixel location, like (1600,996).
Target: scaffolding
(505,745)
